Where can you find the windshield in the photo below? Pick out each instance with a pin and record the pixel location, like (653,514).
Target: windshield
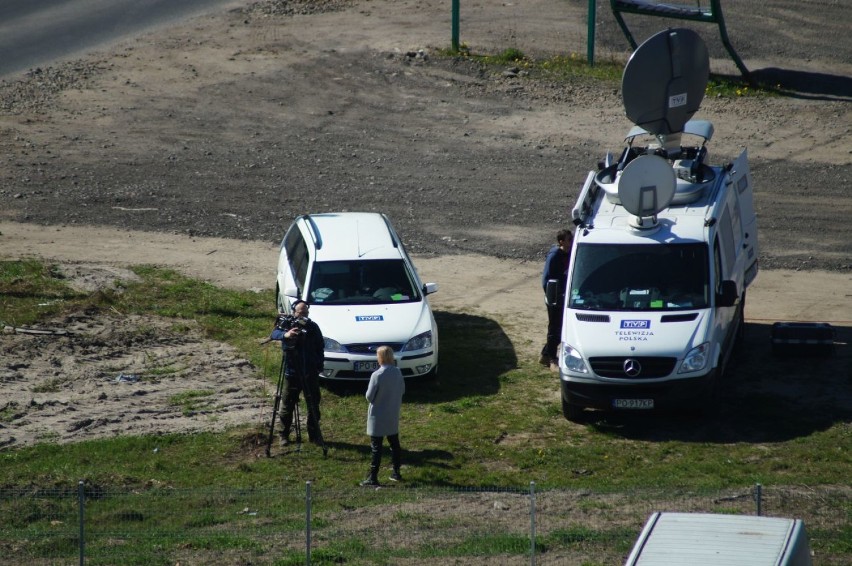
(631,277)
(362,282)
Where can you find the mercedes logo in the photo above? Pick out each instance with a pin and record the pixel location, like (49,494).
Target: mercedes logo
(632,367)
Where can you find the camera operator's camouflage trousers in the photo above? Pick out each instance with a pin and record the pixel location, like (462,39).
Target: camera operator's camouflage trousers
(312,400)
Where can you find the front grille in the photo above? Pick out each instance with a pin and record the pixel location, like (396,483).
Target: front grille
(592,317)
(371,348)
(651,366)
(679,317)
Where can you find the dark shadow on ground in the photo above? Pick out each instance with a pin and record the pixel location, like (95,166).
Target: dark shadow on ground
(474,351)
(766,396)
(414,457)
(805,84)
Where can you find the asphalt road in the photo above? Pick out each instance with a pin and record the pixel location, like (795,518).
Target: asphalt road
(38,32)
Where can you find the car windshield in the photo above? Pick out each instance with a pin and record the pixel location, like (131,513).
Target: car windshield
(640,277)
(355,282)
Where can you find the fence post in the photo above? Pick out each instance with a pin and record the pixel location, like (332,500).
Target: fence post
(532,523)
(81,502)
(308,523)
(455,26)
(758,496)
(590,36)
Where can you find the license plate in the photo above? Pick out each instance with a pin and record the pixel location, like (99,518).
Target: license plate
(633,403)
(366,366)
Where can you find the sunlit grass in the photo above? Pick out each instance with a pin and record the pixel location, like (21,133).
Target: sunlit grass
(573,66)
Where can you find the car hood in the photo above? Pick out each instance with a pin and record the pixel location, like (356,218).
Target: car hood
(358,324)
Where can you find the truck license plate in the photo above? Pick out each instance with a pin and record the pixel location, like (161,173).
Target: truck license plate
(366,366)
(633,403)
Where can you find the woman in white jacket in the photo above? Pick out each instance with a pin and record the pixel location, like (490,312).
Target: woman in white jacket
(385,391)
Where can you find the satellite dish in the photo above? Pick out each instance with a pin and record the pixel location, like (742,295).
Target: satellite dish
(646,186)
(664,81)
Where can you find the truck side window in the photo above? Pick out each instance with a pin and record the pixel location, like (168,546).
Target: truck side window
(717,261)
(727,234)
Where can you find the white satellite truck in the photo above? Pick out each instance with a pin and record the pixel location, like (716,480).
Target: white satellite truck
(705,539)
(665,246)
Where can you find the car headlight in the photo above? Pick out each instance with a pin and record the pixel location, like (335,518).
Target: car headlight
(696,359)
(330,345)
(572,360)
(419,342)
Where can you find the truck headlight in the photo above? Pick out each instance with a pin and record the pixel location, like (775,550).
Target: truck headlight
(572,360)
(696,359)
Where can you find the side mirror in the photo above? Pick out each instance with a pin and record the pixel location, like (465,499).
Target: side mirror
(728,295)
(291,292)
(429,288)
(552,292)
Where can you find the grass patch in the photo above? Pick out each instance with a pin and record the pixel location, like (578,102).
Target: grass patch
(575,66)
(491,419)
(31,291)
(193,401)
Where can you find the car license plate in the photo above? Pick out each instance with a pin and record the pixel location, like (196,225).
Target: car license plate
(633,403)
(366,366)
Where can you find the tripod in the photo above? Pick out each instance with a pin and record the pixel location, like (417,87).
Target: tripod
(312,410)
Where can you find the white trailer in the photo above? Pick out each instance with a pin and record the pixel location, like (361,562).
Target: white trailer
(703,539)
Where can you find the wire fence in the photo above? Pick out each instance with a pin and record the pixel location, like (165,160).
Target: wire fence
(391,525)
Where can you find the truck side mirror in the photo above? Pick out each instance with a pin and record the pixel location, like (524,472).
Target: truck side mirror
(551,292)
(728,294)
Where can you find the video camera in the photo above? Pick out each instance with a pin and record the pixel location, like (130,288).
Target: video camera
(286,322)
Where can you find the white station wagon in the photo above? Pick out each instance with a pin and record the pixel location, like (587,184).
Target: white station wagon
(364,292)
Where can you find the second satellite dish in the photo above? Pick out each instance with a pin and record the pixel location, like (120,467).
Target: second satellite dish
(646,186)
(664,81)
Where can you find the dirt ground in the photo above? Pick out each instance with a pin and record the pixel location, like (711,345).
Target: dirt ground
(194,146)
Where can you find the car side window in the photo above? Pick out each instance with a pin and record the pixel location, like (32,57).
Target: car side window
(297,254)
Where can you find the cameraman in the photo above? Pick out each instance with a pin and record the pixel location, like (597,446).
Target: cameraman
(302,342)
(555,267)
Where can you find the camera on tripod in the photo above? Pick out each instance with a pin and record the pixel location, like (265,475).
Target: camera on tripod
(286,322)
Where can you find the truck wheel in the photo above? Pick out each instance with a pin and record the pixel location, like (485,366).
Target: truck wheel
(573,413)
(708,404)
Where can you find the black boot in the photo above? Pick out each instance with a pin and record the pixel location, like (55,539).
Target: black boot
(375,461)
(372,480)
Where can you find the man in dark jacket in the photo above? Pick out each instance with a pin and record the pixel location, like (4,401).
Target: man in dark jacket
(555,267)
(303,361)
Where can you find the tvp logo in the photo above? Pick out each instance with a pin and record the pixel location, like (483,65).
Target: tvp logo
(636,324)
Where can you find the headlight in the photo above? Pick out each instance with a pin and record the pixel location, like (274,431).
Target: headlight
(572,360)
(419,342)
(696,359)
(330,345)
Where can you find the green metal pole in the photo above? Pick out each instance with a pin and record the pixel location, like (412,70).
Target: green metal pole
(455,40)
(590,43)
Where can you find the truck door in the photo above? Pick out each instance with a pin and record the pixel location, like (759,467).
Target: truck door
(744,219)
